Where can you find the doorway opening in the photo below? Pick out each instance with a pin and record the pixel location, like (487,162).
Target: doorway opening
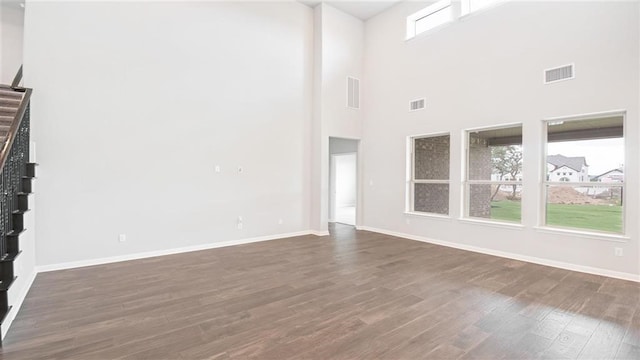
(343,181)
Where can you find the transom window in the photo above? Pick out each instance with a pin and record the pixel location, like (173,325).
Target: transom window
(430,17)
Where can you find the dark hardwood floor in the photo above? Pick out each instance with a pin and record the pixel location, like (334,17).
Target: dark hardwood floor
(352,295)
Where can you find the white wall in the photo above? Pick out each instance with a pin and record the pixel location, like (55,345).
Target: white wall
(131,117)
(11,33)
(339,47)
(486,69)
(346,180)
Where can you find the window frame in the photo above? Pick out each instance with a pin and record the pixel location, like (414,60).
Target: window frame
(466,182)
(426,12)
(411,181)
(545,183)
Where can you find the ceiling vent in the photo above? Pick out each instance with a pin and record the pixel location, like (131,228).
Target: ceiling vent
(561,73)
(353,93)
(417,104)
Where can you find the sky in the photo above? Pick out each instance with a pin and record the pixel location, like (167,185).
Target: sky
(602,155)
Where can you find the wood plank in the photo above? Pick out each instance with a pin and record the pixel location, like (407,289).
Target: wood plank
(352,295)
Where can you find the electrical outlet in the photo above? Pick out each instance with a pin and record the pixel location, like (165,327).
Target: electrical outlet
(280,222)
(618,251)
(239,223)
(407,221)
(122,237)
(240,169)
(217,168)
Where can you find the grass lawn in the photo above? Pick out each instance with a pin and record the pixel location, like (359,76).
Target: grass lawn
(505,210)
(592,217)
(595,217)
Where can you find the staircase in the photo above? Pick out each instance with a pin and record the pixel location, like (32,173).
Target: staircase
(10,101)
(16,174)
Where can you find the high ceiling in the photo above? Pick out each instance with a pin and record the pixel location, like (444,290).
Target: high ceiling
(360,9)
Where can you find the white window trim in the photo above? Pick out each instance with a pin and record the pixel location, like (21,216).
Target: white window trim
(542,215)
(410,181)
(429,10)
(605,236)
(498,224)
(466,182)
(429,215)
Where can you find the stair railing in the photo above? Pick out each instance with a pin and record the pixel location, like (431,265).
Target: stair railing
(16,80)
(14,157)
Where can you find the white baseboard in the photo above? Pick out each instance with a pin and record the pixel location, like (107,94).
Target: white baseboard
(319,233)
(144,255)
(504,254)
(8,320)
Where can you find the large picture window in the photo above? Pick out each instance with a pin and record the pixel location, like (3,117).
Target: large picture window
(493,183)
(584,174)
(428,185)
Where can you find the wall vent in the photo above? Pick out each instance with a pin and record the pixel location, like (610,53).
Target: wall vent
(353,93)
(417,104)
(561,73)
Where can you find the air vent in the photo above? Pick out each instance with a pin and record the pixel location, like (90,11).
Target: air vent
(417,104)
(353,93)
(566,72)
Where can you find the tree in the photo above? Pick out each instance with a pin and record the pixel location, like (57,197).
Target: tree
(506,160)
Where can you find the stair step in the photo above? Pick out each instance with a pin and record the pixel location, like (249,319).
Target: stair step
(5,285)
(13,233)
(20,211)
(10,102)
(4,316)
(7,111)
(30,170)
(7,93)
(24,193)
(10,95)
(10,257)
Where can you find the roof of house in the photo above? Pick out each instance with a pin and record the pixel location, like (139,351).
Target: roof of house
(621,170)
(576,163)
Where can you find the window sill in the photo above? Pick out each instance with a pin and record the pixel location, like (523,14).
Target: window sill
(428,215)
(504,225)
(584,234)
